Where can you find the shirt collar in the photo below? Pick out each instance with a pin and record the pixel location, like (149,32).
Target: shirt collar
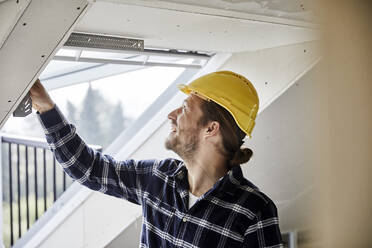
(231,181)
(181,172)
(180,178)
(228,184)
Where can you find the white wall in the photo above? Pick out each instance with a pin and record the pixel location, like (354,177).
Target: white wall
(99,219)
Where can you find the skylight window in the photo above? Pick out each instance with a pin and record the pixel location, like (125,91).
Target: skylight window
(103,97)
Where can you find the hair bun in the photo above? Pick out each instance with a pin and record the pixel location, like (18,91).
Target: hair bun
(241,156)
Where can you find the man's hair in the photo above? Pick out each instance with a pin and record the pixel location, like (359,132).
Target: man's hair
(232,135)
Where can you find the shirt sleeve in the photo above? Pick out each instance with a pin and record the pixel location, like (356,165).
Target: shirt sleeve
(264,232)
(125,179)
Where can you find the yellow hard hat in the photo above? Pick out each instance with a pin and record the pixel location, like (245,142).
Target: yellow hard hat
(230,90)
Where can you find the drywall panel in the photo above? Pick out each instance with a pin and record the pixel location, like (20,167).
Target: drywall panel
(214,32)
(296,10)
(10,12)
(69,234)
(288,12)
(44,25)
(97,221)
(105,217)
(286,149)
(130,236)
(273,70)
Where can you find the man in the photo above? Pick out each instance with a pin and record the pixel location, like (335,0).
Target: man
(202,201)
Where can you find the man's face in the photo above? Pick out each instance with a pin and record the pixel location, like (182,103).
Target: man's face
(184,136)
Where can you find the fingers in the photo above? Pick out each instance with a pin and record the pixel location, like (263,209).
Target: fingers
(37,88)
(38,84)
(41,100)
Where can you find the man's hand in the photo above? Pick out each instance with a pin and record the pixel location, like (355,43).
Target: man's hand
(41,100)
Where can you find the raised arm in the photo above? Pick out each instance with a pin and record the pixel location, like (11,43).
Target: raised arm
(125,179)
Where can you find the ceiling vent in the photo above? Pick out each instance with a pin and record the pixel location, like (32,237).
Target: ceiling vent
(104,42)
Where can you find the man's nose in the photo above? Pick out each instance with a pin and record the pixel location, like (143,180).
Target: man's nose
(173,115)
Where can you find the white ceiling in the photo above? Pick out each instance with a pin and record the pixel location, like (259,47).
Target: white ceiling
(34,34)
(166,24)
(10,12)
(290,9)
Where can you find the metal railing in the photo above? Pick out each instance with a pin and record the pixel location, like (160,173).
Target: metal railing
(31,183)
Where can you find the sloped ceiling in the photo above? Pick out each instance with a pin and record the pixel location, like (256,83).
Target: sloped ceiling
(176,25)
(290,9)
(31,35)
(10,12)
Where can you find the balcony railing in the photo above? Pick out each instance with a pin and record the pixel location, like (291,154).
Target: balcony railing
(31,182)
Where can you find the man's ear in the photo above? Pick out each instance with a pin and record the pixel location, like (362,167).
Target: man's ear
(212,129)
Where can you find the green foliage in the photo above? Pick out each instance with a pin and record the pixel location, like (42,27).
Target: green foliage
(32,216)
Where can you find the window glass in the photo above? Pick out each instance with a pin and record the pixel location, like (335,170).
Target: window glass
(103,108)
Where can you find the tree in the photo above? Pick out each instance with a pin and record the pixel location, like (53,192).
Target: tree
(71,112)
(89,125)
(117,122)
(99,121)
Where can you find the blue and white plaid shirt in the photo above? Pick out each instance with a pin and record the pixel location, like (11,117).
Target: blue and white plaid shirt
(233,213)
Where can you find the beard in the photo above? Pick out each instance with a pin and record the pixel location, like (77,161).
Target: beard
(185,144)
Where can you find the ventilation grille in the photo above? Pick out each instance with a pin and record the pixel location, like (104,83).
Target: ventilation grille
(104,42)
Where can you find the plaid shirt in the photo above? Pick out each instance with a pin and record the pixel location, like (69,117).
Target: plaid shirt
(233,213)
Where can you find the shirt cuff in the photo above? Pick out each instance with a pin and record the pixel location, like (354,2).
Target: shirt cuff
(52,120)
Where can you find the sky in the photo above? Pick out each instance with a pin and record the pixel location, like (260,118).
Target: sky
(136,90)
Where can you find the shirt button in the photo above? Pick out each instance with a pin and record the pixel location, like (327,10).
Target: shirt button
(184,219)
